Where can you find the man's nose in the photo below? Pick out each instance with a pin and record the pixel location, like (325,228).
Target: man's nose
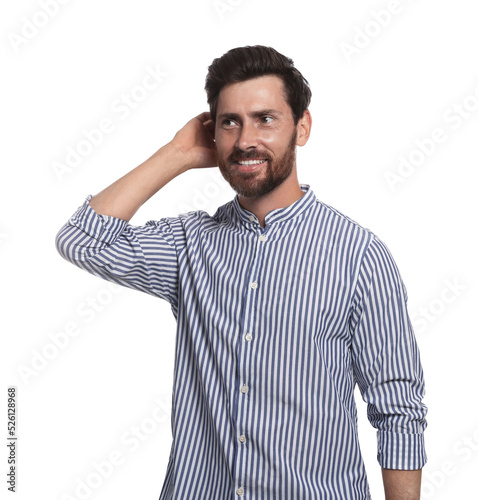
(248,136)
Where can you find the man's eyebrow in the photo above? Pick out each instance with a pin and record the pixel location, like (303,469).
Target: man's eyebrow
(262,112)
(254,114)
(229,116)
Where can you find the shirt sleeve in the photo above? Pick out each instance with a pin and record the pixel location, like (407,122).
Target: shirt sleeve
(143,258)
(386,361)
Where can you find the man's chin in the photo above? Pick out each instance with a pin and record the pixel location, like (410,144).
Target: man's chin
(253,190)
(249,185)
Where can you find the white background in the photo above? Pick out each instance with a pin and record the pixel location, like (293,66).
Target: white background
(64,72)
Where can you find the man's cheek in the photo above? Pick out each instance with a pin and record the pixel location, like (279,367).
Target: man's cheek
(269,139)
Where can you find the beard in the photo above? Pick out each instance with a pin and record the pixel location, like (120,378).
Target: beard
(258,183)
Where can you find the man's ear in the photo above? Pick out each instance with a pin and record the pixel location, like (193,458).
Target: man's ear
(303,128)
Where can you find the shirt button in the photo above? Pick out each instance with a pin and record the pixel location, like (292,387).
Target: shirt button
(248,337)
(263,237)
(240,491)
(244,389)
(254,285)
(252,218)
(242,438)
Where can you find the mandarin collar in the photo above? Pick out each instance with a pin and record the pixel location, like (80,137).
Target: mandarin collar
(279,214)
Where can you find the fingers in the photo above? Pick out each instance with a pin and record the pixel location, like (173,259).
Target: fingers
(210,127)
(204,117)
(206,120)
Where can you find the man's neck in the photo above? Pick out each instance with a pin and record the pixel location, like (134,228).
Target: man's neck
(281,197)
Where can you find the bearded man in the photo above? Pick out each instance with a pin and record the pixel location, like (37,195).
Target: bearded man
(283,305)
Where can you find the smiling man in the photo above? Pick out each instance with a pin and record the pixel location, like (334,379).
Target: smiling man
(283,305)
(256,139)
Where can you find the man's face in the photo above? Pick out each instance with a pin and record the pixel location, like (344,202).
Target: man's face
(255,136)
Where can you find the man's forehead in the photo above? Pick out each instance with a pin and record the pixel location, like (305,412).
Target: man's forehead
(266,82)
(265,92)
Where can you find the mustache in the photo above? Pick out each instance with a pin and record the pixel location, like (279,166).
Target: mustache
(239,155)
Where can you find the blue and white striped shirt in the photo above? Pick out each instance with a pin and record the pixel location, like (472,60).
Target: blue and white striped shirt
(275,326)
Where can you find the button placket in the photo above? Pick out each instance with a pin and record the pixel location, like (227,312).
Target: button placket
(244,360)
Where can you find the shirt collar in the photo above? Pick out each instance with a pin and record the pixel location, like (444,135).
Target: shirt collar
(279,214)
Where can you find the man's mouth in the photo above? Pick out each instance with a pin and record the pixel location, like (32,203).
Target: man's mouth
(250,162)
(249,165)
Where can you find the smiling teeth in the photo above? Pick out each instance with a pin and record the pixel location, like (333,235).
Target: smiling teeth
(250,162)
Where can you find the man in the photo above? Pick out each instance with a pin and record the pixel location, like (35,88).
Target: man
(282,304)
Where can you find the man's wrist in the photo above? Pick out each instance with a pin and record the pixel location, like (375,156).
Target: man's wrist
(172,157)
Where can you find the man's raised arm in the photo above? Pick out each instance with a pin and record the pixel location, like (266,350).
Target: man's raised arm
(99,239)
(192,147)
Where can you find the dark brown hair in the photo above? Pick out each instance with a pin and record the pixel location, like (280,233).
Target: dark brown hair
(244,63)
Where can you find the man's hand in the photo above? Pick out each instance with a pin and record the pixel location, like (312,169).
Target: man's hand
(194,143)
(402,484)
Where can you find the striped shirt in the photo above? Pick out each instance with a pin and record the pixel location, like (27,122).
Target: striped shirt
(275,326)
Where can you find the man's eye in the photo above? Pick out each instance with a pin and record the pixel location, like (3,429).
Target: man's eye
(228,123)
(267,119)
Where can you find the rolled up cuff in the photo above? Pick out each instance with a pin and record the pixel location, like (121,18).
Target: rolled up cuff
(105,228)
(401,450)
